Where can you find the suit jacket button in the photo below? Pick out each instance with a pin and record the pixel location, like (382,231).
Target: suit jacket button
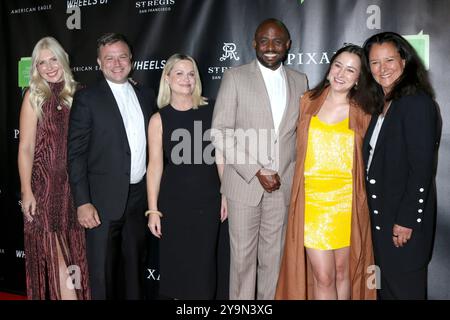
(419,220)
(374,196)
(378,228)
(375,211)
(372,181)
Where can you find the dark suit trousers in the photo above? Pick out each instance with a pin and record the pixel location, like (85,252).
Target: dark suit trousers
(116,251)
(404,285)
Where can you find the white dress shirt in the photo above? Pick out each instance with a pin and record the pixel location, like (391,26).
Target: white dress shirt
(275,81)
(133,120)
(276,88)
(374,139)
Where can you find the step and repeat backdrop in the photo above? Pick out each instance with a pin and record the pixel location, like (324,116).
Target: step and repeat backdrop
(218,34)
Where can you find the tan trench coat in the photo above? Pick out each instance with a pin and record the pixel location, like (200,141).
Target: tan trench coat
(295,280)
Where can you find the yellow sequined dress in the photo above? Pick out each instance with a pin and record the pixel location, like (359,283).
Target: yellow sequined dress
(328,185)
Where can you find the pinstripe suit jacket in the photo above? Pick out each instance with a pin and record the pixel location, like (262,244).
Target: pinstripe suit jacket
(243,112)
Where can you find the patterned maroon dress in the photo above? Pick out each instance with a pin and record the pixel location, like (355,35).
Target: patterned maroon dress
(55,223)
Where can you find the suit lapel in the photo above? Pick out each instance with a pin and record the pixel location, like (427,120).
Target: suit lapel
(289,104)
(142,104)
(366,146)
(110,102)
(381,136)
(384,129)
(386,121)
(263,104)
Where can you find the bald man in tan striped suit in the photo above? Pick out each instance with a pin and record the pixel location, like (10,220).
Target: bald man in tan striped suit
(254,127)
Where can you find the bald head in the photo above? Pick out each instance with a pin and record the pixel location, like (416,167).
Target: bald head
(273,21)
(271,43)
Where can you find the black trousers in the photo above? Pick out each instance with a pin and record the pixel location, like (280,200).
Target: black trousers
(116,251)
(404,285)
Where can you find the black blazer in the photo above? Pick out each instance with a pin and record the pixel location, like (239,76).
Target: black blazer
(400,183)
(99,156)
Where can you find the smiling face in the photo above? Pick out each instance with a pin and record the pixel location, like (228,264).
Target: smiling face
(49,67)
(181,78)
(271,44)
(386,65)
(115,61)
(344,72)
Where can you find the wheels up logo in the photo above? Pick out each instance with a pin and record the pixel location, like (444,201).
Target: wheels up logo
(24,72)
(74,10)
(85,3)
(421,42)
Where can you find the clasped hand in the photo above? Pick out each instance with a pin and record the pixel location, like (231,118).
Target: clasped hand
(269,181)
(88,216)
(400,235)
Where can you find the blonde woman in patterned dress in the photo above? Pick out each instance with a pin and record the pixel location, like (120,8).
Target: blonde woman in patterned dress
(328,244)
(55,258)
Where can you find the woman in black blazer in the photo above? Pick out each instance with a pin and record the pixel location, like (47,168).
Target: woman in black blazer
(399,151)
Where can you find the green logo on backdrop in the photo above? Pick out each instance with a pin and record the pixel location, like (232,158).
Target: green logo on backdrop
(24,72)
(421,42)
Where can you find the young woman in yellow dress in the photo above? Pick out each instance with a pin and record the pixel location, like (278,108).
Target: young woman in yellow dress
(328,243)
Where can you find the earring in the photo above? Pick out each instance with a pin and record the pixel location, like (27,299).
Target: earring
(356,86)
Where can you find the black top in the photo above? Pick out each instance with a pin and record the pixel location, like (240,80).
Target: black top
(189,198)
(400,183)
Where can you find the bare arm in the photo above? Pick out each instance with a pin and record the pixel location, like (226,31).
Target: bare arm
(27,143)
(154,171)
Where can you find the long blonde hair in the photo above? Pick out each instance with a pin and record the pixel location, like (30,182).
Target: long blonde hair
(164,89)
(39,88)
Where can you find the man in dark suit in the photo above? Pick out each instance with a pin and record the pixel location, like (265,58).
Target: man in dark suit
(107,154)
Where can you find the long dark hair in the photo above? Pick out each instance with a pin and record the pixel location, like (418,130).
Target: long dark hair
(359,94)
(414,77)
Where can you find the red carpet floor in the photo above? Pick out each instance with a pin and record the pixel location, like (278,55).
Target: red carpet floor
(9,296)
